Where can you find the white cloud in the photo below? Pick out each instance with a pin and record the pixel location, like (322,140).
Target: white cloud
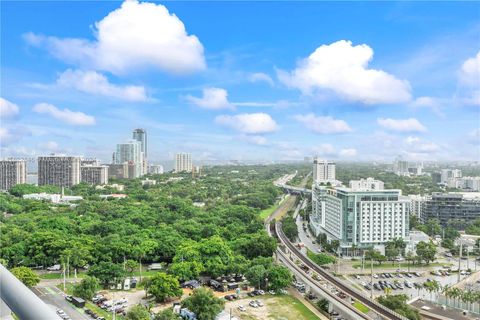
(96,83)
(470,80)
(325,149)
(49,146)
(255,139)
(474,136)
(343,69)
(250,123)
(323,125)
(417,145)
(213,99)
(401,125)
(8,109)
(138,35)
(65,115)
(14,134)
(349,152)
(431,103)
(261,77)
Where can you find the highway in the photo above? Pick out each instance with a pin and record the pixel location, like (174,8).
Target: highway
(373,305)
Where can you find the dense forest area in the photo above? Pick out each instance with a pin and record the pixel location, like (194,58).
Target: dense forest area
(207,224)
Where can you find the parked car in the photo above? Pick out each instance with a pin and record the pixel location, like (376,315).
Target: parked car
(242,308)
(253,304)
(259,303)
(55,267)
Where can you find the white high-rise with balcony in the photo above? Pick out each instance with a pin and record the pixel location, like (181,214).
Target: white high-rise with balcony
(183,162)
(323,171)
(366,184)
(131,152)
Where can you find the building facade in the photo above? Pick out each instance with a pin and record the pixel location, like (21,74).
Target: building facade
(447,174)
(323,171)
(183,162)
(140,135)
(94,175)
(366,184)
(12,172)
(417,206)
(131,153)
(61,171)
(155,169)
(360,218)
(454,205)
(118,171)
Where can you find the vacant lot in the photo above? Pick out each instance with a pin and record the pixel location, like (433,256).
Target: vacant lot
(275,307)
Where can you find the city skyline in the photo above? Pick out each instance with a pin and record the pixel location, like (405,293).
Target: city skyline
(268,90)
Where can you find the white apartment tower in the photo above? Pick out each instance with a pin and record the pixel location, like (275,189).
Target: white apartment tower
(183,162)
(131,153)
(323,171)
(12,172)
(61,171)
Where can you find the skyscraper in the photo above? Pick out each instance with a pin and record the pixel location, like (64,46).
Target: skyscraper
(12,172)
(94,174)
(61,171)
(183,162)
(131,152)
(141,136)
(323,171)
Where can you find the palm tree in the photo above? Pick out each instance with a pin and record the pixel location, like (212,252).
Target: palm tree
(387,290)
(446,293)
(455,293)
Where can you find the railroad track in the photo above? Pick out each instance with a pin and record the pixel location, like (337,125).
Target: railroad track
(378,308)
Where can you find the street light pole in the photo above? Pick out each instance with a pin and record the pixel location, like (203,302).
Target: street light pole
(371,278)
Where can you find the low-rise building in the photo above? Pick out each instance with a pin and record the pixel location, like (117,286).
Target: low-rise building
(149,182)
(52,197)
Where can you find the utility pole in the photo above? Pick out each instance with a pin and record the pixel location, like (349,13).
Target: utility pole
(68,267)
(459,259)
(64,275)
(371,278)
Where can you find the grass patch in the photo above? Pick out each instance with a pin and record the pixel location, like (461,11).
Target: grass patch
(403,266)
(265,213)
(361,307)
(301,311)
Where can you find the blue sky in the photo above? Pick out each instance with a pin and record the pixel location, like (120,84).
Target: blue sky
(252,80)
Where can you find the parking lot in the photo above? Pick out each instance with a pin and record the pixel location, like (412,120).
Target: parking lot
(409,283)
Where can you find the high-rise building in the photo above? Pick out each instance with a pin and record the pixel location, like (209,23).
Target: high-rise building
(436,177)
(155,169)
(400,166)
(323,171)
(447,174)
(141,136)
(183,162)
(12,172)
(366,184)
(417,206)
(454,205)
(94,175)
(118,171)
(360,218)
(131,152)
(89,162)
(61,171)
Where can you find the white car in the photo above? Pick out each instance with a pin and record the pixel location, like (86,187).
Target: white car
(375,276)
(259,303)
(242,308)
(253,304)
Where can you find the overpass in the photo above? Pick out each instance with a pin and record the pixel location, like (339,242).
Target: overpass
(294,190)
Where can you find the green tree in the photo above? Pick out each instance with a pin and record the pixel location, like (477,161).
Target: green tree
(186,270)
(289,228)
(138,312)
(256,275)
(87,288)
(163,286)
(279,277)
(204,304)
(107,273)
(131,265)
(398,303)
(258,245)
(323,304)
(167,314)
(26,275)
(426,251)
(375,256)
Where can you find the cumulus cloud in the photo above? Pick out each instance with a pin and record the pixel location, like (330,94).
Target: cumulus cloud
(261,77)
(470,80)
(327,150)
(401,125)
(49,146)
(213,99)
(474,136)
(67,116)
(418,145)
(250,123)
(323,125)
(343,69)
(431,103)
(8,109)
(96,83)
(255,139)
(138,35)
(9,135)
